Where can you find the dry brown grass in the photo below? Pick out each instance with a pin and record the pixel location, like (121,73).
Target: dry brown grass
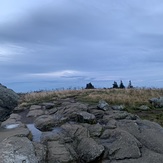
(44,96)
(128,97)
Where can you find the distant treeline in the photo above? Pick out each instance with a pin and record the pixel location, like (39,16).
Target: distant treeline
(115,85)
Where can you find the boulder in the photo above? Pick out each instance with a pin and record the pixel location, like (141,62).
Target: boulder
(75,131)
(109,122)
(8,101)
(89,150)
(149,134)
(148,156)
(85,117)
(55,134)
(95,130)
(157,102)
(120,145)
(103,105)
(18,150)
(58,153)
(98,113)
(44,122)
(49,136)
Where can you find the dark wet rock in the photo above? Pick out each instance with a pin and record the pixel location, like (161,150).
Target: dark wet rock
(8,101)
(103,105)
(17,149)
(89,150)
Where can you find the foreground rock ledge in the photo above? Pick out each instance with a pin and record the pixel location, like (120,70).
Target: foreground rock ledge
(8,101)
(75,132)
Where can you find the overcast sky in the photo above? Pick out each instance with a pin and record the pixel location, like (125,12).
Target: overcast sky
(46,44)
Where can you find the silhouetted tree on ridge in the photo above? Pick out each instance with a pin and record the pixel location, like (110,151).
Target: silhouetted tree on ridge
(130,85)
(89,86)
(121,85)
(115,85)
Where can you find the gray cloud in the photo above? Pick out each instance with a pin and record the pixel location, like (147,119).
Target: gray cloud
(101,40)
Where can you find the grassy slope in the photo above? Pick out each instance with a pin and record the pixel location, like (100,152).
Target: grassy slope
(131,98)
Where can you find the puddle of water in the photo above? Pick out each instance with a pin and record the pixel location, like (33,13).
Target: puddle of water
(11,126)
(35,132)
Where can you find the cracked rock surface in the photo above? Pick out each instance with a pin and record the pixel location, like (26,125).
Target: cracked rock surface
(74,132)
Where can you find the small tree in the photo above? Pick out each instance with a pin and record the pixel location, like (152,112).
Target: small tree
(115,85)
(121,85)
(89,86)
(130,85)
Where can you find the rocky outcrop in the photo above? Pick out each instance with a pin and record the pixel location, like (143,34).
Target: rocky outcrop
(157,102)
(103,105)
(71,131)
(17,149)
(89,150)
(8,101)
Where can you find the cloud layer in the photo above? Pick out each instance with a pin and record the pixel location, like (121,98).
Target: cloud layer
(83,41)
